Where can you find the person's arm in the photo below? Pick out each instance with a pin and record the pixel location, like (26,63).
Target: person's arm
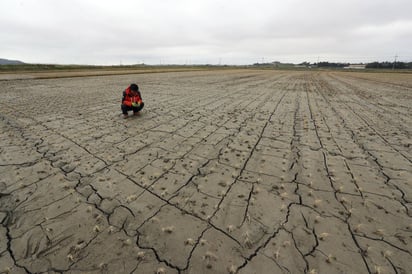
(126,100)
(139,100)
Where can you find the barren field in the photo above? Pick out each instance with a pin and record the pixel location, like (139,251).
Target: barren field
(223,172)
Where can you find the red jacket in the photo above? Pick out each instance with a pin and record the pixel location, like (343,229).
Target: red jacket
(129,98)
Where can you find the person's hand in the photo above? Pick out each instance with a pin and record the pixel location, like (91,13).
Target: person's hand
(135,104)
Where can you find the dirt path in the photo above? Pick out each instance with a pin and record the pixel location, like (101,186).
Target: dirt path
(223,172)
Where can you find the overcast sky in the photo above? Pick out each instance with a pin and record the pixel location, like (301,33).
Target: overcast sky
(204,31)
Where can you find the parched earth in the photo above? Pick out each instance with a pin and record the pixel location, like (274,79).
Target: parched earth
(223,172)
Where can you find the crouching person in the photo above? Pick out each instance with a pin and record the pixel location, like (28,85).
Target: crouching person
(132,100)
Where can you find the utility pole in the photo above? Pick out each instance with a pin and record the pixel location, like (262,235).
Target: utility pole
(396,56)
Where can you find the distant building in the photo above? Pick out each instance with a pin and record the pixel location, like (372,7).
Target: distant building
(355,66)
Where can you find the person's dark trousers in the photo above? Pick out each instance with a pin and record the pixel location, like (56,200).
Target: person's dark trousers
(125,108)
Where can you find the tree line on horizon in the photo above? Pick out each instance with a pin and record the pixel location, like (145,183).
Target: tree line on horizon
(326,64)
(6,64)
(373,65)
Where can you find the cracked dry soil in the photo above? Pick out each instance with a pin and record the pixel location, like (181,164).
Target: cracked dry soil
(223,172)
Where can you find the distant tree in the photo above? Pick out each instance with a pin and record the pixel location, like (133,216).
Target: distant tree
(373,65)
(389,65)
(332,65)
(305,64)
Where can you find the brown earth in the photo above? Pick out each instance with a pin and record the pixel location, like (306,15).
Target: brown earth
(69,73)
(223,172)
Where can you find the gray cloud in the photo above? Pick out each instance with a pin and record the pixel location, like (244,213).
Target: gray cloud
(204,31)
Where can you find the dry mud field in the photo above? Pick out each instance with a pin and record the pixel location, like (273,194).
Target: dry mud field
(223,172)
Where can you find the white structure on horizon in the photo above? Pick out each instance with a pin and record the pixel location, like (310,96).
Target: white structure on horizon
(355,66)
